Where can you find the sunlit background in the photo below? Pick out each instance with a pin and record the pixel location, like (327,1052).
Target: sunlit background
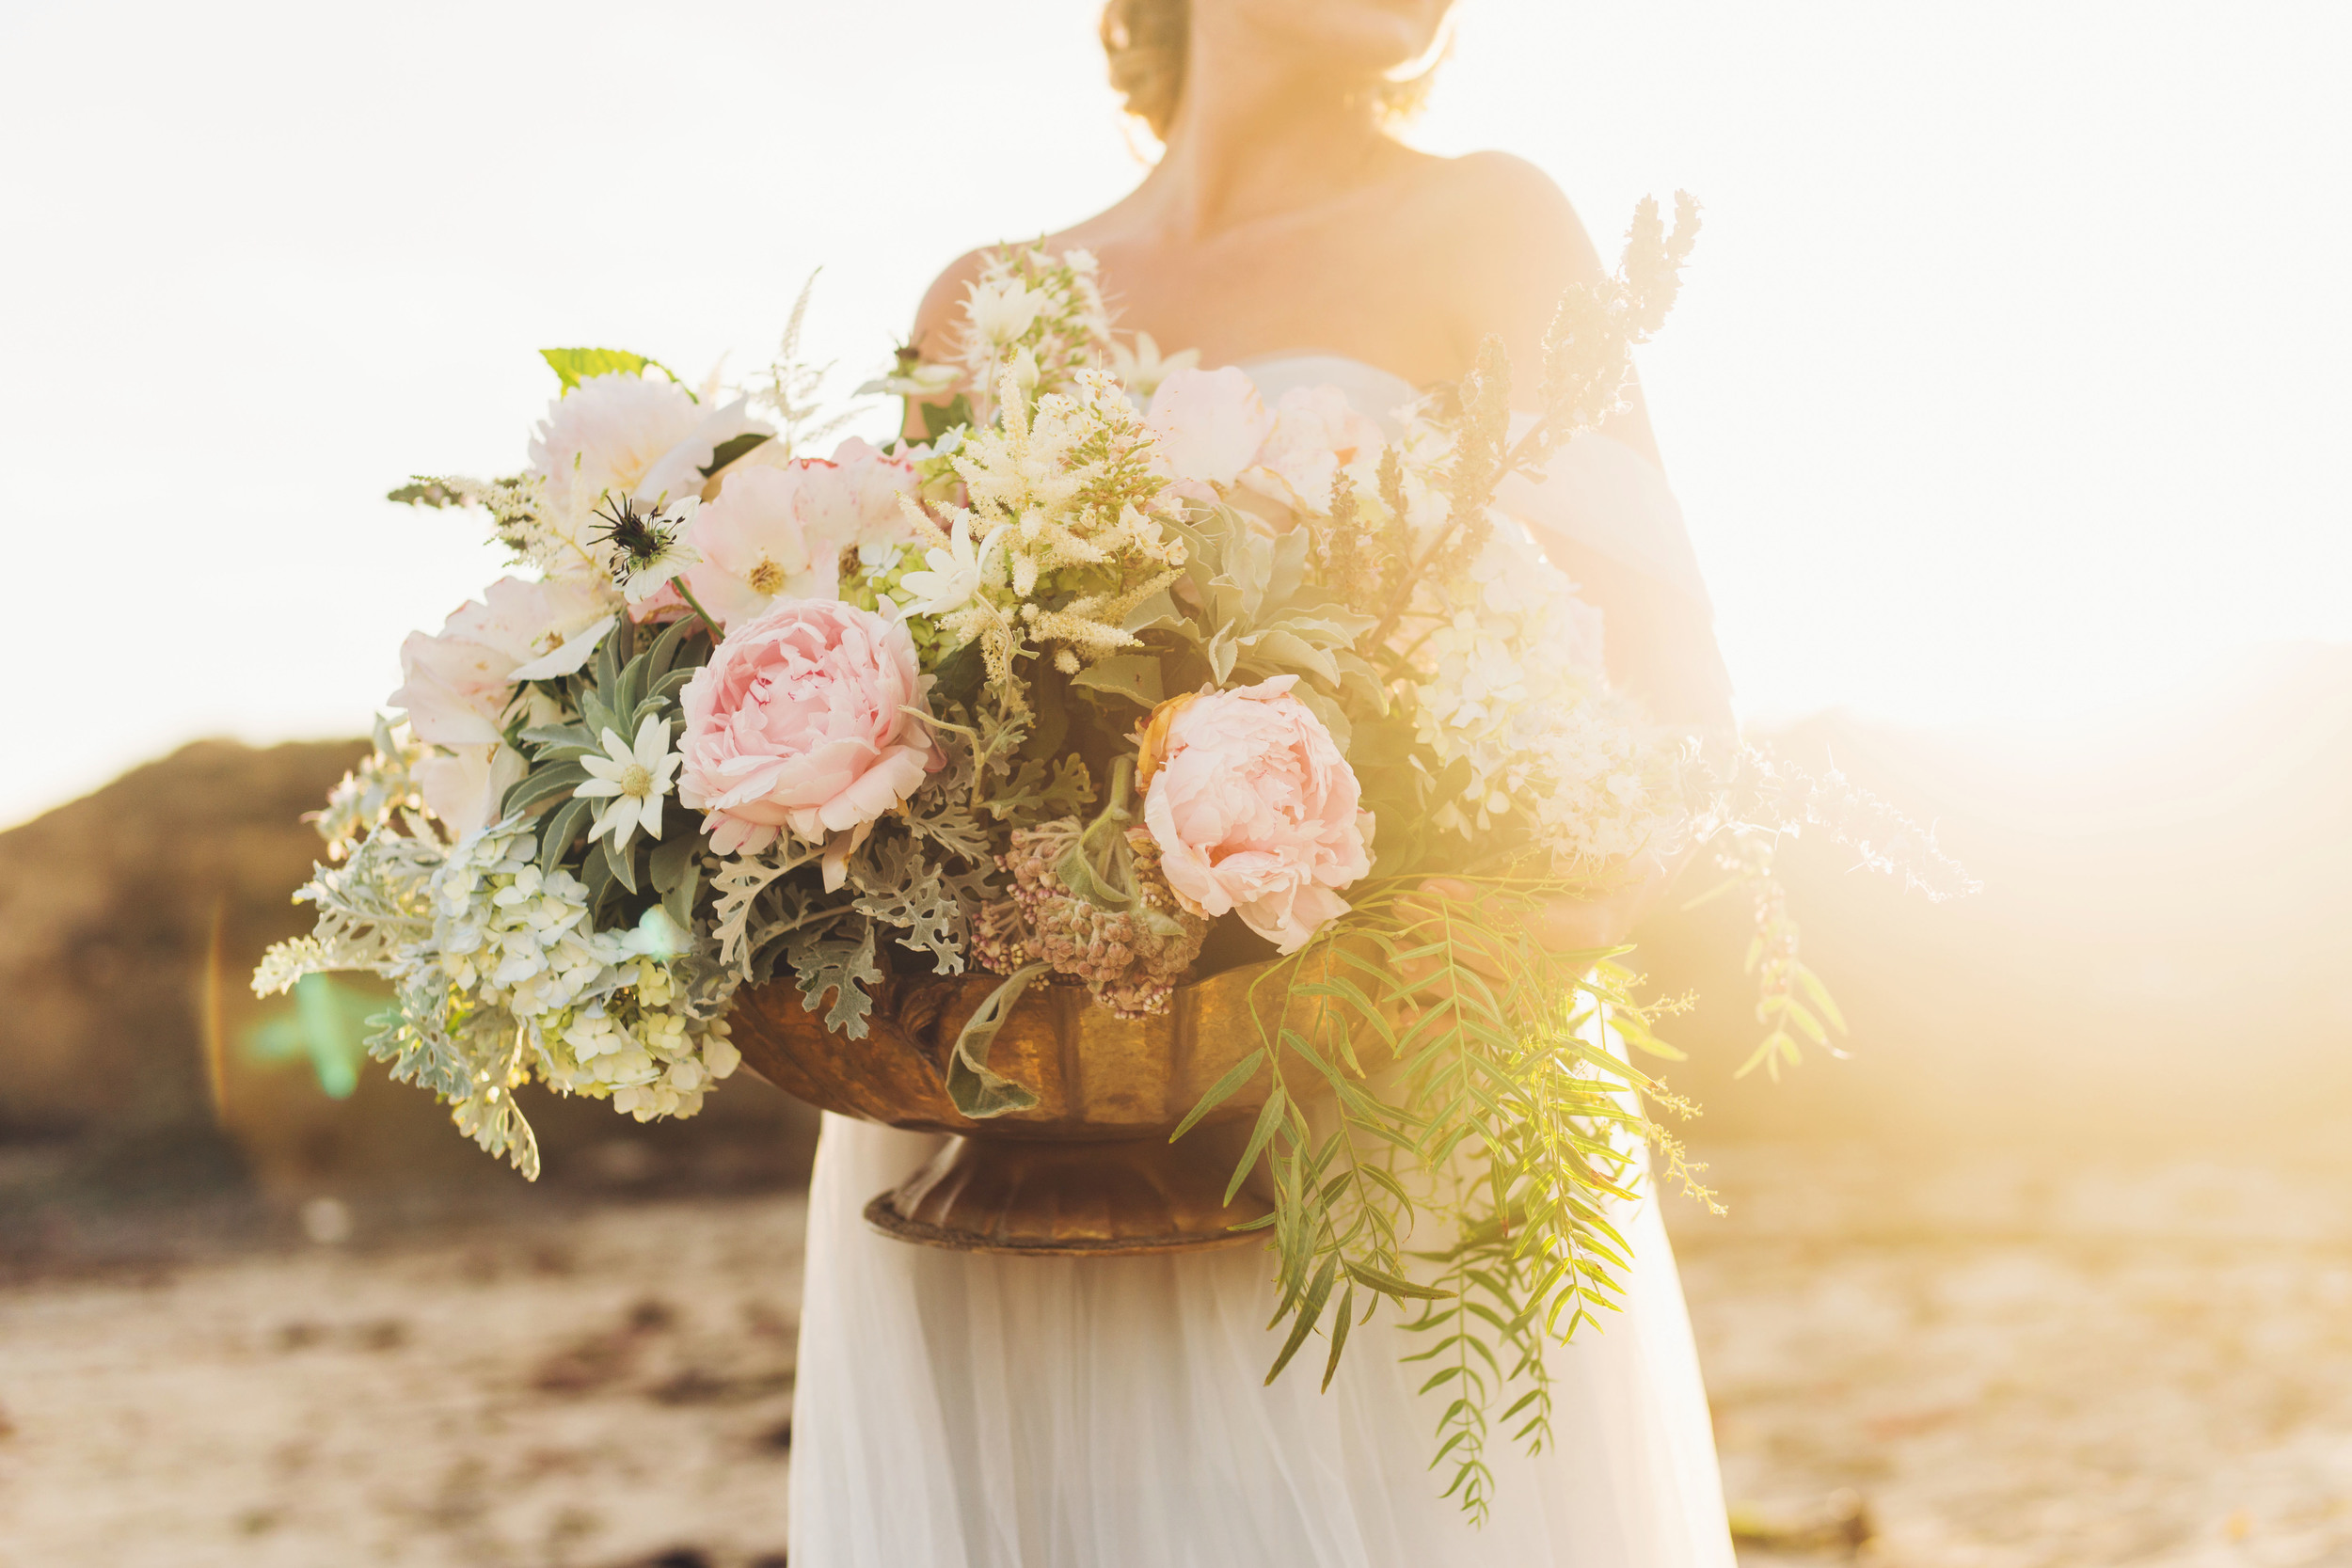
(2006,400)
(2008,389)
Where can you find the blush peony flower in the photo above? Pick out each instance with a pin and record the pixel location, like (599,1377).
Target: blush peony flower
(633,436)
(1254,810)
(1316,433)
(463,784)
(1209,423)
(777,531)
(454,686)
(798,723)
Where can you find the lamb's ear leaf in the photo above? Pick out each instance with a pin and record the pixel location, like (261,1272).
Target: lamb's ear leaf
(563,826)
(543,782)
(1134,676)
(679,898)
(672,855)
(978,1092)
(664,650)
(622,862)
(595,873)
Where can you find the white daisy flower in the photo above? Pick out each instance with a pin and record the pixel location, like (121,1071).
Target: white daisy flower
(955,572)
(643,550)
(634,778)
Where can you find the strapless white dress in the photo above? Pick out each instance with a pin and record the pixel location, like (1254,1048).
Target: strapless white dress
(963,1411)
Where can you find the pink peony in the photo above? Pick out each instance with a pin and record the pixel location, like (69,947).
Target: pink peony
(1254,810)
(1209,423)
(797,724)
(776,530)
(1316,433)
(464,785)
(455,685)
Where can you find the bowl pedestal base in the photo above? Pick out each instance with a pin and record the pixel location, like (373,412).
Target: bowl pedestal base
(1035,1199)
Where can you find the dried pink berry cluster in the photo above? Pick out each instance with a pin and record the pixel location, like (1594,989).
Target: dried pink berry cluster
(1130,959)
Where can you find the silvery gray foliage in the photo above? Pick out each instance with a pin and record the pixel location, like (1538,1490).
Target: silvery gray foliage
(900,887)
(842,963)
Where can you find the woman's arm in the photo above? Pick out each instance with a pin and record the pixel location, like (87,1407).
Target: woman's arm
(933,338)
(1516,246)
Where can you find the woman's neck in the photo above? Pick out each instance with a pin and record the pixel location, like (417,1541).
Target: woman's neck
(1256,135)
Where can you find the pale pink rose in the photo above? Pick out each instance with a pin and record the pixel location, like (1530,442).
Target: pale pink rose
(1255,810)
(777,531)
(1209,423)
(798,722)
(1316,433)
(454,686)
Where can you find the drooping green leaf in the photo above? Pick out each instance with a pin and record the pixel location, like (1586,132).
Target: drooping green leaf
(1221,1091)
(1134,676)
(977,1090)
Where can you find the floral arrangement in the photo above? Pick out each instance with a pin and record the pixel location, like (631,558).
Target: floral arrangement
(1117,674)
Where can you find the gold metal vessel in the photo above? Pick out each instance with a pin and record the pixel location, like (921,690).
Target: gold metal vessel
(1088,1169)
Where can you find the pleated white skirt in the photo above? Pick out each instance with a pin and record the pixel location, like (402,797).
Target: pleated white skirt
(965,1411)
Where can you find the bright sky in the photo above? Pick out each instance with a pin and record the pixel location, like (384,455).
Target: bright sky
(2010,383)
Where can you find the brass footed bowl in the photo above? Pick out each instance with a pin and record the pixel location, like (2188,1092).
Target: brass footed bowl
(1090,1168)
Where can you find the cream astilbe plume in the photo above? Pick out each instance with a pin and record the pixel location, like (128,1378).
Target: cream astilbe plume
(1068,506)
(1036,313)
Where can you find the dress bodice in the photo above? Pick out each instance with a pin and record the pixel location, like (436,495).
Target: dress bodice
(1598,492)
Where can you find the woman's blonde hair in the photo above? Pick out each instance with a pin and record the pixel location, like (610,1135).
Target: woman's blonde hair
(1146,43)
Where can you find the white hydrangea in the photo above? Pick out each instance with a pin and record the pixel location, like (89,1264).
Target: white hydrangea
(1512,682)
(605,1015)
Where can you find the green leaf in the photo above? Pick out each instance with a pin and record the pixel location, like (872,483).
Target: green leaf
(941,418)
(1821,999)
(1392,1285)
(672,858)
(1223,1090)
(541,783)
(734,447)
(573,365)
(977,1090)
(1269,1120)
(564,827)
(679,900)
(1281,650)
(959,673)
(1309,1312)
(622,862)
(1340,1326)
(663,654)
(1134,676)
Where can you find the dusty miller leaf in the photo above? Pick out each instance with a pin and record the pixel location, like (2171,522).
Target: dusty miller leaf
(843,965)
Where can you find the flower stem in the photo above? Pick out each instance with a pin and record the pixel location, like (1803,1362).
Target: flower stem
(711,622)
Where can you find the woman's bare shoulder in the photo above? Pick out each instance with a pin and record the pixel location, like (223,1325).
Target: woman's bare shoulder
(1498,210)
(934,319)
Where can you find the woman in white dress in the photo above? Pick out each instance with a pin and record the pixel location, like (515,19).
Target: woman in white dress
(966,1411)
